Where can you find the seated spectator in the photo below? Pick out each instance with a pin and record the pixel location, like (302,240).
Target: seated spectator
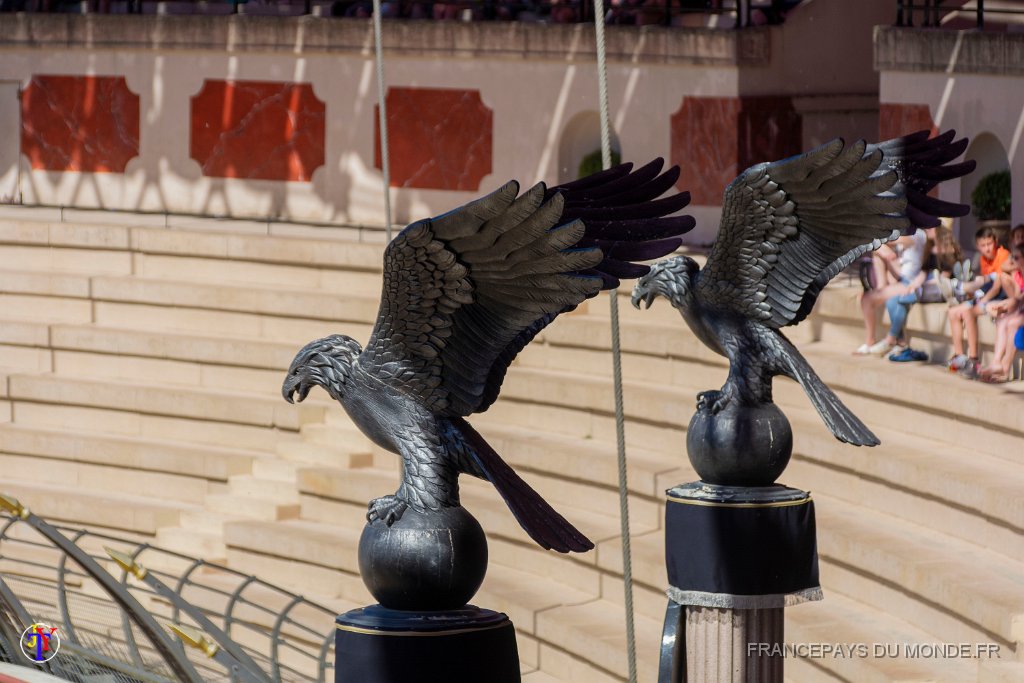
(909,277)
(636,12)
(941,252)
(1009,316)
(564,11)
(978,292)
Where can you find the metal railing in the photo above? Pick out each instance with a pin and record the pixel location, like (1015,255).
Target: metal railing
(240,628)
(628,12)
(930,13)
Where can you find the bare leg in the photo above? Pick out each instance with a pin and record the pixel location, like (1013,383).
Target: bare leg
(956,329)
(870,303)
(971,323)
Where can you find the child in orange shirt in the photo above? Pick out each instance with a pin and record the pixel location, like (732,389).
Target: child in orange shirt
(965,316)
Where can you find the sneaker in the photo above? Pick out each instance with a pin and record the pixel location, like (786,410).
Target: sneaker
(880,348)
(965,271)
(907,355)
(863,350)
(970,369)
(956,363)
(946,289)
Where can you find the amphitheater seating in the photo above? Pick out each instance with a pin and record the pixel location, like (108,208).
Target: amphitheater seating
(140,372)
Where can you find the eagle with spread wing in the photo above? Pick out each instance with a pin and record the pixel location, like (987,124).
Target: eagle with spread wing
(463,294)
(787,229)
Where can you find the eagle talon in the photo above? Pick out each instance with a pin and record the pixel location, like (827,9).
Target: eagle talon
(715,401)
(388,509)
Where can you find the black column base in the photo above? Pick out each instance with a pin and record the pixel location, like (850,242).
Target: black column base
(379,645)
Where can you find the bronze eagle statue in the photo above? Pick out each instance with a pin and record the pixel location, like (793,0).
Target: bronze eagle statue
(787,229)
(463,294)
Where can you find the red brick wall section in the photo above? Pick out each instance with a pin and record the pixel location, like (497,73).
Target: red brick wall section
(895,120)
(714,139)
(438,138)
(259,130)
(79,123)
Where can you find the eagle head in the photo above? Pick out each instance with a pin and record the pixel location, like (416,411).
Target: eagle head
(324,362)
(670,278)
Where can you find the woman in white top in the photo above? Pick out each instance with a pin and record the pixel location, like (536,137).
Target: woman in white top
(903,280)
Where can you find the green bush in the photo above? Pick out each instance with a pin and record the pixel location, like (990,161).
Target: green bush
(991,197)
(592,163)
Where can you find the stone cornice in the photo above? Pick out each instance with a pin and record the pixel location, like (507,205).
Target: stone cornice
(942,51)
(315,35)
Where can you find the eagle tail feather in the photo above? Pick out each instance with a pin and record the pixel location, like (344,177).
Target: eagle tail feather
(543,524)
(840,420)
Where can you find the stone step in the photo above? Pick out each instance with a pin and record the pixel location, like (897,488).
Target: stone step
(132,453)
(293,302)
(296,330)
(276,468)
(204,545)
(311,558)
(170,267)
(923,484)
(251,506)
(519,594)
(841,620)
(163,400)
(314,581)
(46,309)
(248,485)
(597,630)
(953,589)
(104,478)
(28,282)
(236,350)
(336,455)
(14,359)
(49,259)
(57,503)
(291,250)
(252,381)
(208,521)
(1000,672)
(186,431)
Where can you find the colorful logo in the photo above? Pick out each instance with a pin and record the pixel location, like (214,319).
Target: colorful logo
(40,642)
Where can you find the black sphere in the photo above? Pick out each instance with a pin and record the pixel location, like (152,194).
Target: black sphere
(433,560)
(741,445)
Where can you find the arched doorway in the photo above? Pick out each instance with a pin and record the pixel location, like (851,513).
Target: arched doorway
(580,137)
(990,155)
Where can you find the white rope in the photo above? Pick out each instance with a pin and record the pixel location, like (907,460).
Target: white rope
(620,420)
(383,112)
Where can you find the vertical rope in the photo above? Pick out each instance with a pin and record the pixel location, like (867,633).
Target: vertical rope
(620,420)
(383,116)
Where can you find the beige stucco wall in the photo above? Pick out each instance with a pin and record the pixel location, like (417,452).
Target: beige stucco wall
(532,100)
(535,78)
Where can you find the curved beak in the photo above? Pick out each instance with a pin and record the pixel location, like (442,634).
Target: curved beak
(293,384)
(642,293)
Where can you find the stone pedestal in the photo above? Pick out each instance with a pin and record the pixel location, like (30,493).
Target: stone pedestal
(468,645)
(423,569)
(733,645)
(736,556)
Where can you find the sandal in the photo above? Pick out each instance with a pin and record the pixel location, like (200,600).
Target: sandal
(995,378)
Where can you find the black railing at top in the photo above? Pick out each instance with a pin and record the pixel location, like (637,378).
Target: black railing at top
(930,13)
(627,12)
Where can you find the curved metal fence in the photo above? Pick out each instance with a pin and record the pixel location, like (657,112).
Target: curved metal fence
(126,611)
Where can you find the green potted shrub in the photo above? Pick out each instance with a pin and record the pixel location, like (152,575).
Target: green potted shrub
(592,163)
(990,202)
(991,197)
